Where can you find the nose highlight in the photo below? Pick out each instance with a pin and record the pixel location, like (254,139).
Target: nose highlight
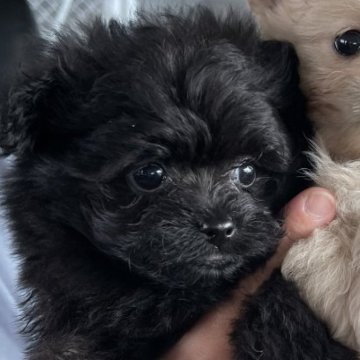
(218,232)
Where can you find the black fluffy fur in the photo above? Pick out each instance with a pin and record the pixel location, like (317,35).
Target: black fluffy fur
(113,272)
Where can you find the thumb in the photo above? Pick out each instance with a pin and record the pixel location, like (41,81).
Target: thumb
(311,209)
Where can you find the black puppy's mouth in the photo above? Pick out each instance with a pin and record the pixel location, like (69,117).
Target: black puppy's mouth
(220,266)
(219,260)
(216,255)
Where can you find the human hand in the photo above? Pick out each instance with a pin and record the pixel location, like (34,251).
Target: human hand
(209,339)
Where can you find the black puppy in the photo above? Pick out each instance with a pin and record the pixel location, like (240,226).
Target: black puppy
(151,160)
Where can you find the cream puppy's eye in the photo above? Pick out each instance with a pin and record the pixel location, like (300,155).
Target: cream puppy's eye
(348,43)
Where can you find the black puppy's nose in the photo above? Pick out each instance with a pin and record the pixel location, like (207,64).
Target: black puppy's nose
(219,232)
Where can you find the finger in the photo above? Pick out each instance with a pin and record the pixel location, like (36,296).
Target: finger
(313,208)
(209,338)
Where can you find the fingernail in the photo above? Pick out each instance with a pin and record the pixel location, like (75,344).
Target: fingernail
(320,205)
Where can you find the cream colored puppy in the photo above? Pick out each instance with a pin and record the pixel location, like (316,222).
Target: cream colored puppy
(326,35)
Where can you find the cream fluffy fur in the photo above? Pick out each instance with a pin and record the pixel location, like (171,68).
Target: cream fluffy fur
(326,267)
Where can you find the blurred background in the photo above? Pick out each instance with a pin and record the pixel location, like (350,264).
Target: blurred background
(19,20)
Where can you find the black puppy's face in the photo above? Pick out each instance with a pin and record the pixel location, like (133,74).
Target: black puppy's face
(194,199)
(174,154)
(187,223)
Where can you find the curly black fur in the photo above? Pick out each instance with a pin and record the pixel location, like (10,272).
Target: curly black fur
(114,272)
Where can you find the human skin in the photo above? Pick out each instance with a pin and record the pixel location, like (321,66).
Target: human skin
(209,338)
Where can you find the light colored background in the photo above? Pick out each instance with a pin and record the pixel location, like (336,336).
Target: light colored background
(50,15)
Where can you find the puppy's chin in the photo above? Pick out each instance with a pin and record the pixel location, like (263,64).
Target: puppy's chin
(207,271)
(218,266)
(215,270)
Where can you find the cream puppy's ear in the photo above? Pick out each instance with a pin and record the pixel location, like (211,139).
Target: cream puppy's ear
(278,18)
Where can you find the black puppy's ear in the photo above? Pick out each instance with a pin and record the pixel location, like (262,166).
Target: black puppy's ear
(20,119)
(40,112)
(282,80)
(281,64)
(57,96)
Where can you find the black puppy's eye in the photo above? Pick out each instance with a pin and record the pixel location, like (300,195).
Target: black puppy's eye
(148,178)
(245,175)
(348,43)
